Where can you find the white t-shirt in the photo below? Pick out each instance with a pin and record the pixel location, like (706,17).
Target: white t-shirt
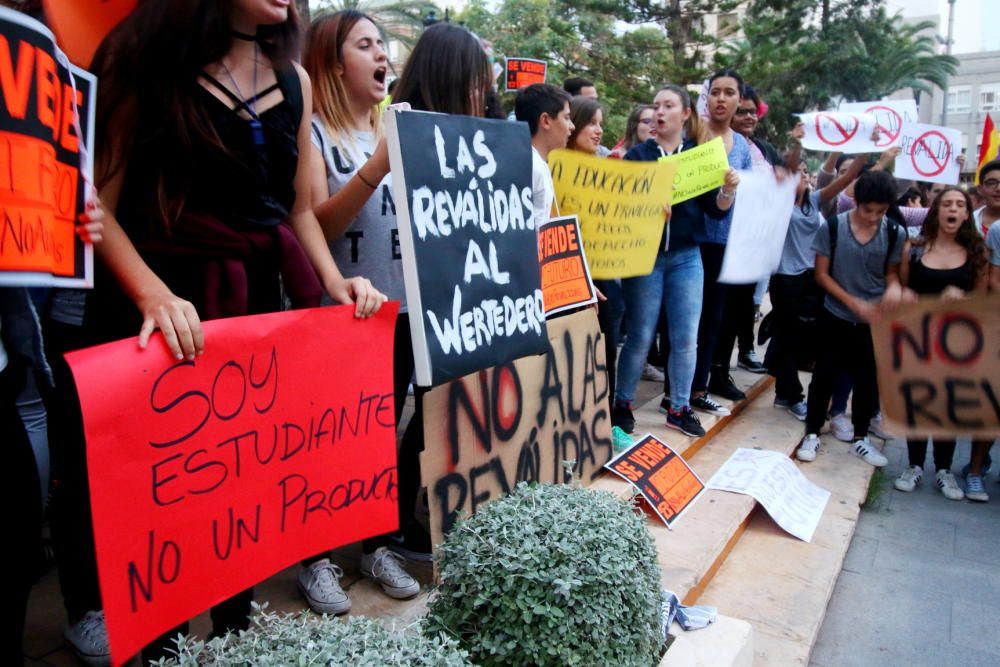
(543,192)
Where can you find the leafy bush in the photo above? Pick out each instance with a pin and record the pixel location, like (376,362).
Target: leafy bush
(551,575)
(307,639)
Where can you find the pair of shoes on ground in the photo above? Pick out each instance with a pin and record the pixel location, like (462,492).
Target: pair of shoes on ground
(944,481)
(319,582)
(88,638)
(862,447)
(843,429)
(751,362)
(703,403)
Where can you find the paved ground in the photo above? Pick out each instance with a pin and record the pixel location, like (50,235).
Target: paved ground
(921,583)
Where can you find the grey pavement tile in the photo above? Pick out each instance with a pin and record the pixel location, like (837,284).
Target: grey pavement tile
(862,629)
(861,555)
(979,543)
(974,623)
(943,575)
(911,529)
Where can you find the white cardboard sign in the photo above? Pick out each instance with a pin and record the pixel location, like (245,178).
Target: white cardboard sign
(841,132)
(761,213)
(930,153)
(890,116)
(795,503)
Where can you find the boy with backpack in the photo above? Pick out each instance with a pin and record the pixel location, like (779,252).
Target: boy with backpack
(857,263)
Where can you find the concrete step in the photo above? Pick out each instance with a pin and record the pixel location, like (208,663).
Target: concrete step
(782,585)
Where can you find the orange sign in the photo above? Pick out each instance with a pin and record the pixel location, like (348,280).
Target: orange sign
(523,72)
(662,477)
(209,476)
(81,25)
(42,189)
(565,275)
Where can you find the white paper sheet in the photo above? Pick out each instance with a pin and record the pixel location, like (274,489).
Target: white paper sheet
(761,214)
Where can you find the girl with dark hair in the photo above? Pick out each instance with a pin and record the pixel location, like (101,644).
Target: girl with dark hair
(948,260)
(587,116)
(640,126)
(352,197)
(676,283)
(204,118)
(724,305)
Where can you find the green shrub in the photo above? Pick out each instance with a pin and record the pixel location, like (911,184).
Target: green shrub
(551,575)
(306,639)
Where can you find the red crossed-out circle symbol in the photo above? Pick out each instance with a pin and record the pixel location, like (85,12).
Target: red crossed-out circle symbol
(928,165)
(887,136)
(840,134)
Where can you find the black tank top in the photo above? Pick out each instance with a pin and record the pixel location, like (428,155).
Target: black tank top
(925,280)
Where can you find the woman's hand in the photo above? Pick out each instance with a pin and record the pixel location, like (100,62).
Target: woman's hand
(176,319)
(361,293)
(91,227)
(952,293)
(798,132)
(888,156)
(731,182)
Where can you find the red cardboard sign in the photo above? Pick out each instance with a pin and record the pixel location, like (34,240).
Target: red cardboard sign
(662,477)
(523,72)
(81,25)
(209,476)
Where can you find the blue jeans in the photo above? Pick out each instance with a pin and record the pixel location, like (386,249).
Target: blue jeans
(675,285)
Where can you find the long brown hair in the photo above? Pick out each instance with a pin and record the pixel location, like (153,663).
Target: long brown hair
(967,236)
(581,111)
(632,125)
(448,72)
(148,69)
(323,54)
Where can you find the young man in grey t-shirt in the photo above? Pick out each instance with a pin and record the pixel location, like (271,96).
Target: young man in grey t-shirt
(857,264)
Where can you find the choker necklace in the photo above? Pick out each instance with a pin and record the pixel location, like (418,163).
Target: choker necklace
(245,37)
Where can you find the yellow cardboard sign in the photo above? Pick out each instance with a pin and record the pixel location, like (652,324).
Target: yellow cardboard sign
(698,170)
(620,207)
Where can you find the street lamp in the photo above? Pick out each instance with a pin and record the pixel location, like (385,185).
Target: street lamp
(947,50)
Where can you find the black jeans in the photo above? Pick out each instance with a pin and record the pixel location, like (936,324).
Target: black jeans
(610,314)
(796,302)
(713,307)
(843,346)
(737,324)
(944,453)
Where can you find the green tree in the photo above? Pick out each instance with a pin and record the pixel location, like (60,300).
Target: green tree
(399,20)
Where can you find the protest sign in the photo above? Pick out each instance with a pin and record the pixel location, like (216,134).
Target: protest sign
(770,477)
(43,158)
(462,188)
(565,277)
(81,25)
(523,72)
(761,213)
(890,116)
(663,478)
(208,476)
(939,367)
(930,153)
(841,132)
(620,206)
(698,170)
(520,421)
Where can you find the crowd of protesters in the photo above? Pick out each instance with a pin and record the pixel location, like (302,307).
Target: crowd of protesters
(271,162)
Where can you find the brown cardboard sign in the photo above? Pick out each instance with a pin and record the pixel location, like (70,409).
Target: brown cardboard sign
(939,367)
(519,421)
(663,478)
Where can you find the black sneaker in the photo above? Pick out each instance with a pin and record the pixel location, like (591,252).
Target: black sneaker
(684,421)
(706,404)
(665,405)
(726,388)
(622,417)
(412,543)
(750,362)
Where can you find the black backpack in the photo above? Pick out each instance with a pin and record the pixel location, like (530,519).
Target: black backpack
(833,223)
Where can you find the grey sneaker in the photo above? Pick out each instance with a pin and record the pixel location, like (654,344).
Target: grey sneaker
(88,638)
(319,584)
(975,490)
(799,409)
(386,568)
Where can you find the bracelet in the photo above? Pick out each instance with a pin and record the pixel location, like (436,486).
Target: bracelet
(726,195)
(365,180)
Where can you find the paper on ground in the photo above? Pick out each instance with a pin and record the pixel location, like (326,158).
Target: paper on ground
(770,478)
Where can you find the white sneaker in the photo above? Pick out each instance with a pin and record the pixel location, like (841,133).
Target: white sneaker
(808,448)
(946,484)
(867,451)
(842,428)
(876,427)
(386,568)
(652,373)
(319,584)
(88,638)
(909,479)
